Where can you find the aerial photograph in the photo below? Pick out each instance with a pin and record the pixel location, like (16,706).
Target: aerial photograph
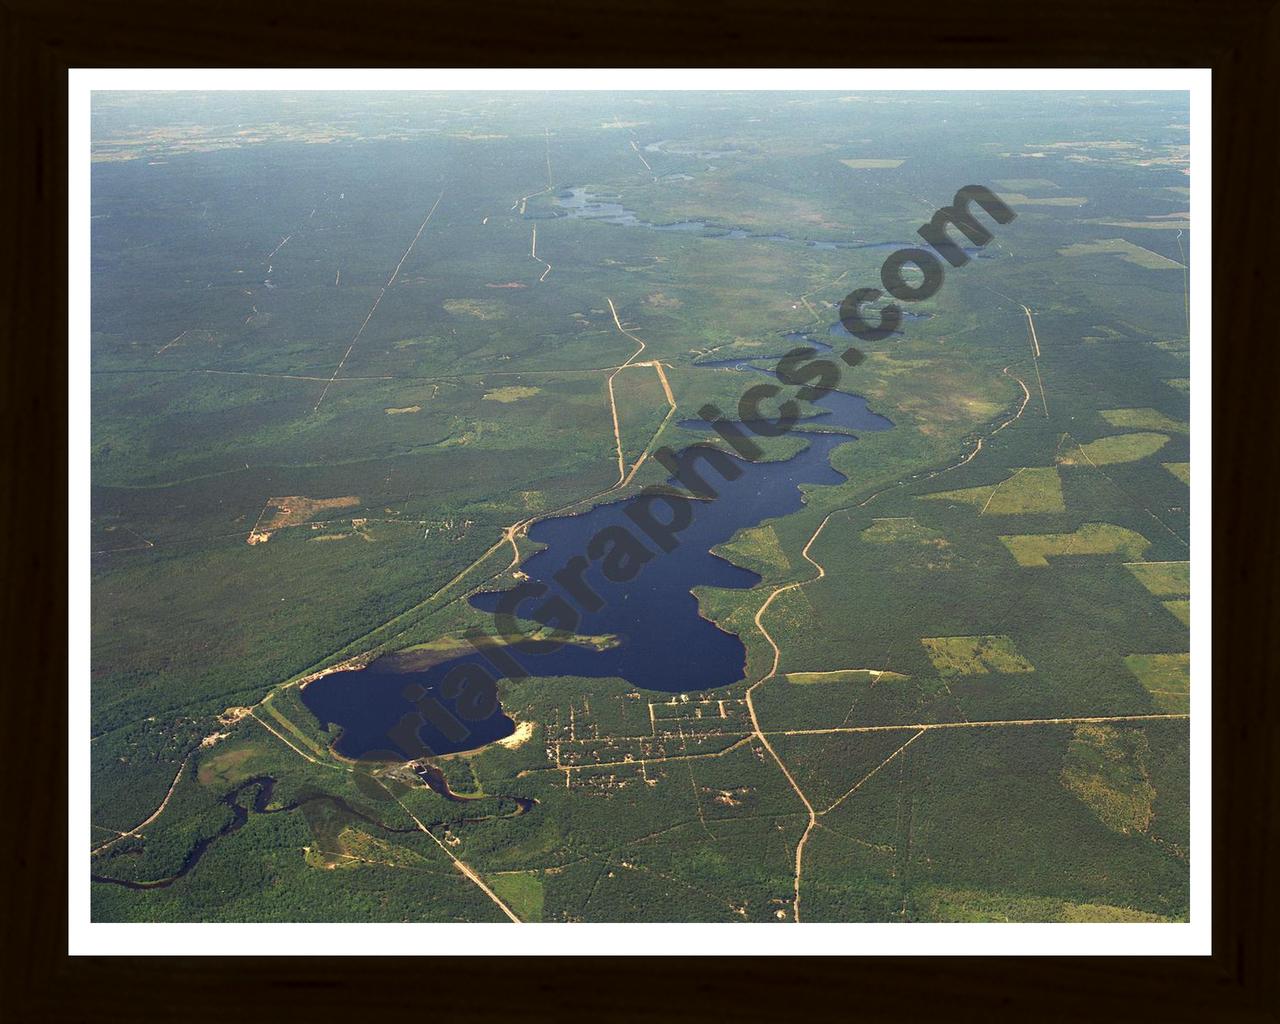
(616,506)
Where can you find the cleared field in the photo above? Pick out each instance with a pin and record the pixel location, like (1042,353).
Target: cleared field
(1127,251)
(1022,184)
(1181,610)
(1176,223)
(1182,470)
(523,892)
(293,511)
(1031,489)
(1143,419)
(873,163)
(1106,768)
(897,529)
(1035,549)
(844,675)
(510,394)
(1017,199)
(1164,579)
(938,904)
(1106,451)
(1167,678)
(479,309)
(925,547)
(974,655)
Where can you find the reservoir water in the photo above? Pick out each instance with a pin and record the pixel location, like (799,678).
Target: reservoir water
(663,643)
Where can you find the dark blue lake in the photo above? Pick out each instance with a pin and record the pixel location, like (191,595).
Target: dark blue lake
(664,644)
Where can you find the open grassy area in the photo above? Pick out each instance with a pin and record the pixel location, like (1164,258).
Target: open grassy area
(845,675)
(1126,250)
(1029,489)
(872,163)
(1164,579)
(1167,677)
(1035,549)
(1106,768)
(1106,451)
(974,655)
(523,890)
(1181,610)
(1143,419)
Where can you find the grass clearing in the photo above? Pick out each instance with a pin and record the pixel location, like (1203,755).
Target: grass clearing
(845,675)
(228,766)
(873,163)
(950,904)
(1127,251)
(1143,419)
(1107,769)
(1022,184)
(1032,489)
(296,509)
(1017,199)
(1167,677)
(928,548)
(1035,549)
(474,308)
(1164,579)
(522,891)
(1182,470)
(1107,451)
(509,394)
(974,655)
(1180,609)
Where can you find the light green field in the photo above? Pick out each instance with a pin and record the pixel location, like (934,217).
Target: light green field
(844,675)
(1181,610)
(1035,549)
(1127,251)
(876,163)
(474,308)
(1164,579)
(1167,678)
(1172,224)
(1107,769)
(1182,384)
(510,394)
(974,655)
(897,529)
(1143,419)
(1016,199)
(927,546)
(1182,470)
(1022,184)
(1034,489)
(1106,451)
(522,890)
(939,904)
